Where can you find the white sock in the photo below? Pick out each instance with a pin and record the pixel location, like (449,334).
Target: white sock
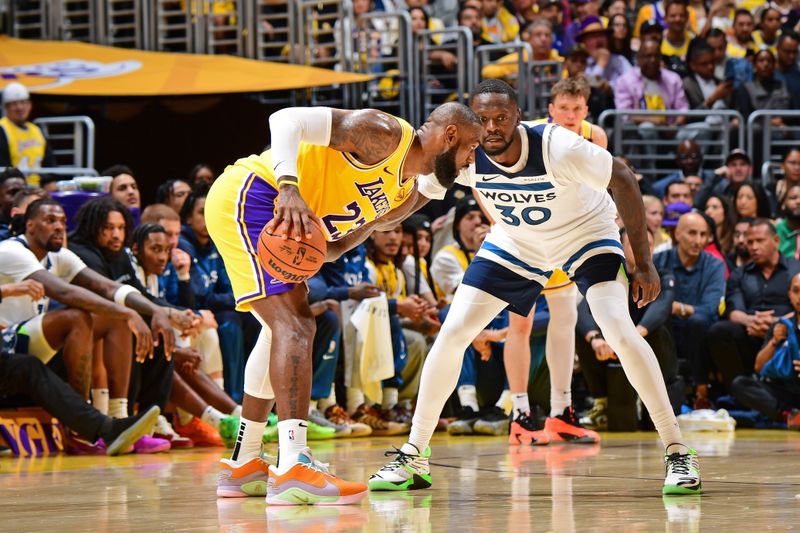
(472,310)
(520,403)
(291,441)
(312,406)
(212,417)
(390,395)
(248,441)
(100,400)
(184,417)
(355,397)
(410,449)
(608,302)
(468,397)
(324,403)
(237,411)
(560,346)
(118,408)
(504,402)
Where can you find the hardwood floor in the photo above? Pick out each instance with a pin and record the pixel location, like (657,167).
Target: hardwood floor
(751,479)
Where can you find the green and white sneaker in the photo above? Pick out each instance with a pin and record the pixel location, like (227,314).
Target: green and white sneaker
(405,472)
(683,472)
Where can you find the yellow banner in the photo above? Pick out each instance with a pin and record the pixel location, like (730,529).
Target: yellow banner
(80,69)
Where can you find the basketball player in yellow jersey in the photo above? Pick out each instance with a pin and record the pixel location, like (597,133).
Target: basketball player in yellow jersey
(352,172)
(568,108)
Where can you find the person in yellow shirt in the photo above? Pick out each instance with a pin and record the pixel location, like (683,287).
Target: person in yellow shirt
(742,38)
(539,34)
(499,25)
(769,30)
(22,143)
(677,35)
(350,172)
(657,12)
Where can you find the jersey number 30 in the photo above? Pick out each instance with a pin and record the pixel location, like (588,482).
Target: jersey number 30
(532,216)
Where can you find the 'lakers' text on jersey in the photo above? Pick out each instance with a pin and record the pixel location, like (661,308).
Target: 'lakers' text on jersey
(343,192)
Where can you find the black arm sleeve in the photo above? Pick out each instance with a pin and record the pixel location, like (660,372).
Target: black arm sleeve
(185,294)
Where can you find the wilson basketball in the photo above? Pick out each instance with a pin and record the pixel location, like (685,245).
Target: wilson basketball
(292,261)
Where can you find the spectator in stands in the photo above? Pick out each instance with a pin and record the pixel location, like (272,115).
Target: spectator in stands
(689,160)
(599,363)
(24,374)
(124,187)
(678,192)
(18,207)
(553,11)
(740,255)
(417,242)
(470,17)
(675,44)
(499,25)
(654,217)
(611,8)
(602,64)
(791,173)
(750,200)
(601,96)
(787,69)
(704,90)
(765,91)
(656,12)
(201,173)
(738,168)
(721,212)
(584,9)
(539,35)
(788,226)
(12,181)
(173,193)
(620,40)
(757,295)
(22,143)
(651,87)
(652,30)
(777,398)
(174,283)
(741,39)
(699,294)
(769,30)
(524,12)
(718,42)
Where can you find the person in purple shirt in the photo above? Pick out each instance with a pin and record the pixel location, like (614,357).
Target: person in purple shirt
(650,87)
(602,64)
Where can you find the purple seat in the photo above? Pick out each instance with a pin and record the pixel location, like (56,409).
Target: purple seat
(72,201)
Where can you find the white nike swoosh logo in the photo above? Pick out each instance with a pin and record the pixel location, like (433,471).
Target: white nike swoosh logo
(326,357)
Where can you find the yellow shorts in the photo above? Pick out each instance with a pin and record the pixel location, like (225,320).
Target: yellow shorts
(238,206)
(558,280)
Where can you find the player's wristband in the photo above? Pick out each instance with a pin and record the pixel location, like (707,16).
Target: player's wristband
(289,180)
(595,337)
(122,293)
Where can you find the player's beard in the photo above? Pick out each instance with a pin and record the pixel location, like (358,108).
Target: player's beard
(444,168)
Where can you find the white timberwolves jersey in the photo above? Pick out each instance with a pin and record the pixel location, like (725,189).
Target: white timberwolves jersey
(551,209)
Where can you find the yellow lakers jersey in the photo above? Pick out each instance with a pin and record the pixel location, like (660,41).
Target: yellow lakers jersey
(586,127)
(343,192)
(389,279)
(26,147)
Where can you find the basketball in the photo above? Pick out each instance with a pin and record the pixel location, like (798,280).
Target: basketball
(292,261)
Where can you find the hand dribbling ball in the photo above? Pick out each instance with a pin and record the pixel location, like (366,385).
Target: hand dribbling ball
(291,261)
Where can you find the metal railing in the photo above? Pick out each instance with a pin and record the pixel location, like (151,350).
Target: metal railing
(519,76)
(273,30)
(30,19)
(75,20)
(655,157)
(70,138)
(123,23)
(768,141)
(543,75)
(438,87)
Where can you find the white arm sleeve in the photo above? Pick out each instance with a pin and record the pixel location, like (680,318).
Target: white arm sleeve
(430,188)
(288,127)
(572,159)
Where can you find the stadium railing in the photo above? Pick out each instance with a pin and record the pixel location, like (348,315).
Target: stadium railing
(521,79)
(543,75)
(715,139)
(437,88)
(71,139)
(770,142)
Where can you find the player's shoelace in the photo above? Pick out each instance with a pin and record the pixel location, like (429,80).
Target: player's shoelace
(401,458)
(526,421)
(679,463)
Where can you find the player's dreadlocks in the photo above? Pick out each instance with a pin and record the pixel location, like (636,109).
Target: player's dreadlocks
(93,215)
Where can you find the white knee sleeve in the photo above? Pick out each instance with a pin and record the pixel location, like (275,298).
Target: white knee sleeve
(470,312)
(609,304)
(256,372)
(560,347)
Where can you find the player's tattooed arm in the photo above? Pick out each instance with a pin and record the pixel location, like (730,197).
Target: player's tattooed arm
(628,198)
(369,134)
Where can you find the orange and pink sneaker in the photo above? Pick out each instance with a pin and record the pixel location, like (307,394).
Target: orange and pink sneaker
(249,479)
(566,428)
(309,482)
(523,431)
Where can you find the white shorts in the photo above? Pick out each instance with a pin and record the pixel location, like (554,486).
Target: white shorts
(27,337)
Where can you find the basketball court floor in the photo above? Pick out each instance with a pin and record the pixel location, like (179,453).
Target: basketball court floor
(751,480)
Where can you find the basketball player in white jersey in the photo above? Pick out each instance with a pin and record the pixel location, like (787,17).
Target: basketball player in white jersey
(545,187)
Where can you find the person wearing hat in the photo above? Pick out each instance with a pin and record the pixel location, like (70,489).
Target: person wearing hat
(602,64)
(738,169)
(699,291)
(22,143)
(584,9)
